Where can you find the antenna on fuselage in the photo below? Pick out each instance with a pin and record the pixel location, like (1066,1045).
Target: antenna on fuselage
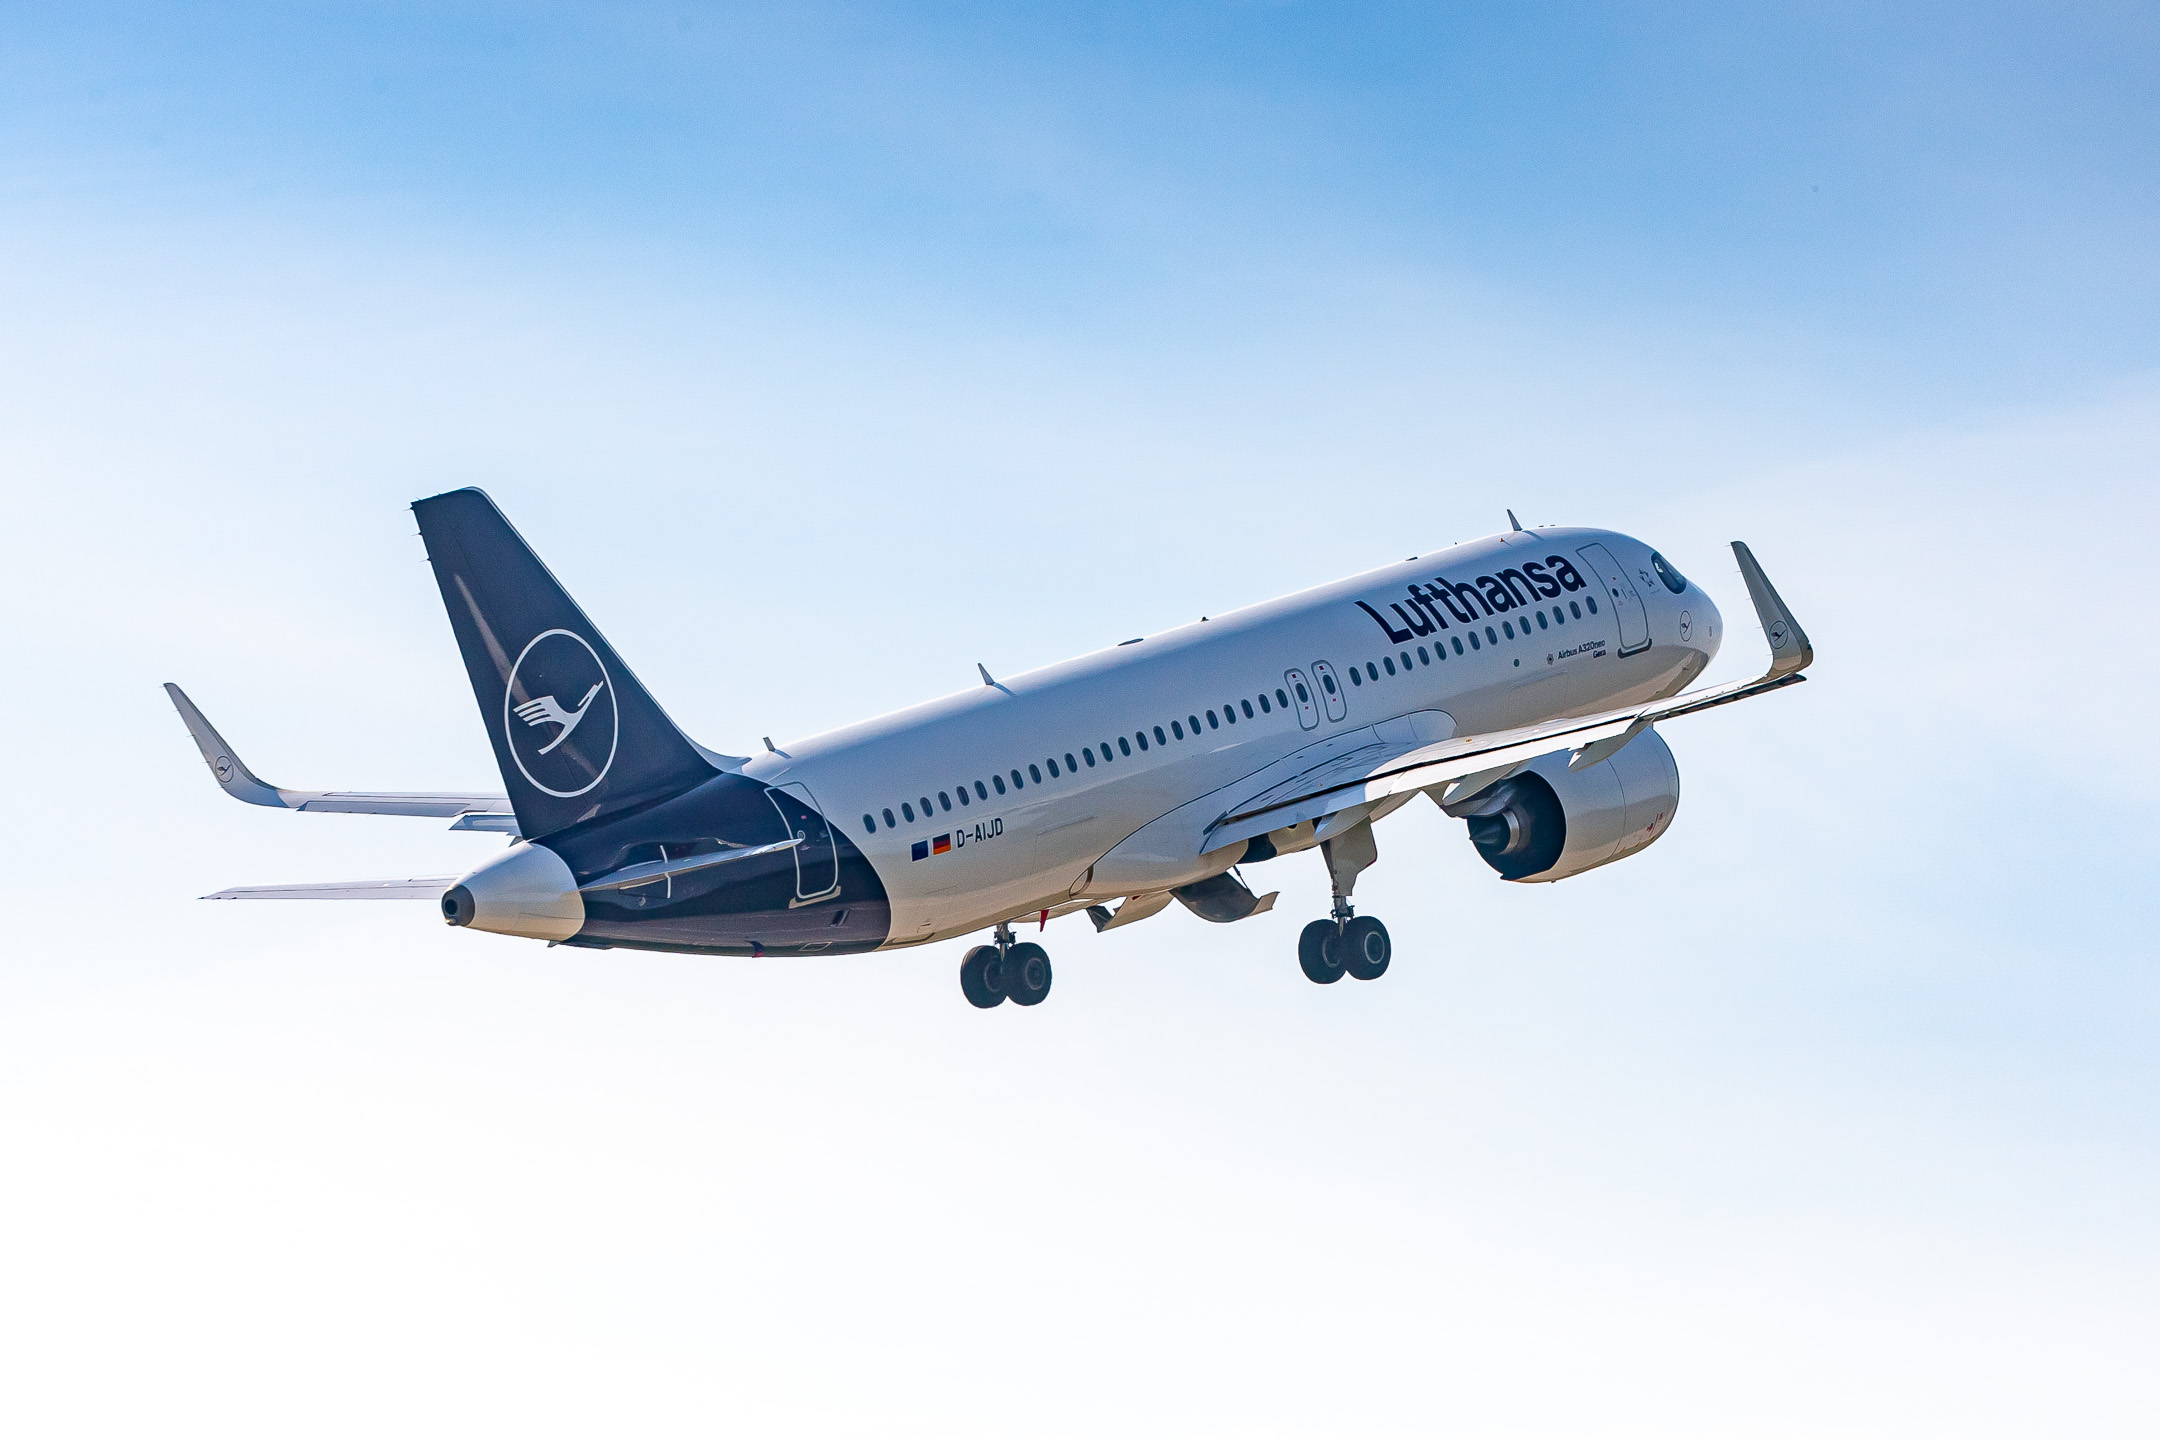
(1513,523)
(981,670)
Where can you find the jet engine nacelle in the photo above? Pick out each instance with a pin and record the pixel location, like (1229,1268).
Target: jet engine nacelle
(1547,822)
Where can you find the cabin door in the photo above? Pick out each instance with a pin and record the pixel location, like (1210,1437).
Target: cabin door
(1621,594)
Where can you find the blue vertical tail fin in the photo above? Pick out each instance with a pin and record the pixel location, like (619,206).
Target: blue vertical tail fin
(576,735)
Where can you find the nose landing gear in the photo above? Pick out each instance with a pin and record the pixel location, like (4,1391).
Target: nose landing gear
(992,974)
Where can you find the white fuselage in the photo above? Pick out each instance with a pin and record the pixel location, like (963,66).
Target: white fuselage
(1094,815)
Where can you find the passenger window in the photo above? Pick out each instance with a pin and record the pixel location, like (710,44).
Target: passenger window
(1051,763)
(1124,746)
(1422,657)
(889,821)
(1490,638)
(1389,661)
(1070,767)
(1089,752)
(1192,723)
(1541,620)
(907,812)
(1263,705)
(999,781)
(869,824)
(982,794)
(1592,603)
(1175,729)
(1034,773)
(1509,627)
(924,801)
(1212,722)
(1020,784)
(1159,736)
(1406,660)
(1474,641)
(1304,696)
(1357,676)
(1327,683)
(1457,642)
(1141,736)
(1372,671)
(1281,699)
(1246,706)
(1574,609)
(963,792)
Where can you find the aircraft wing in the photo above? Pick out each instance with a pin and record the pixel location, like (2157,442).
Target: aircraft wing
(1469,763)
(471,812)
(421,887)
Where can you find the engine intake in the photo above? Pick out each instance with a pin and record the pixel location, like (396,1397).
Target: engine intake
(1547,822)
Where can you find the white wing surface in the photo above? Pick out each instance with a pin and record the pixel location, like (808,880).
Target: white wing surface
(471,812)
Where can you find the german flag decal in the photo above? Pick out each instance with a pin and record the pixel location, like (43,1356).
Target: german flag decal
(940,844)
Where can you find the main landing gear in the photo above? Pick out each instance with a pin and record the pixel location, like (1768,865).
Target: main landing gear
(1355,945)
(1345,943)
(992,974)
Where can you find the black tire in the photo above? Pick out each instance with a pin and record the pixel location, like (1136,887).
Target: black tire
(982,978)
(1366,948)
(1027,974)
(1312,953)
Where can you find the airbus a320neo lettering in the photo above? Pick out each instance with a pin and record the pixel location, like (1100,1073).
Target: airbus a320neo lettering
(1516,681)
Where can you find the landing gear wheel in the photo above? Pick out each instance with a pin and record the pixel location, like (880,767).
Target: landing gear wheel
(1313,944)
(1365,948)
(982,977)
(1027,974)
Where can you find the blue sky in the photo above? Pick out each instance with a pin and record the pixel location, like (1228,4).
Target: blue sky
(827,351)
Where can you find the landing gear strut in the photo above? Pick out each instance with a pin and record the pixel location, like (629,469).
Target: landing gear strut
(1345,942)
(992,974)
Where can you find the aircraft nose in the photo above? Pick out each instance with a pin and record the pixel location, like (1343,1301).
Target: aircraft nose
(1700,617)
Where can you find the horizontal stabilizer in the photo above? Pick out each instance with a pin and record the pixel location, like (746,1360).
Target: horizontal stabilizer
(420,887)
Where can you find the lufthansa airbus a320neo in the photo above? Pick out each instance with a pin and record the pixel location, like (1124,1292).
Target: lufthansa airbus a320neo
(1516,681)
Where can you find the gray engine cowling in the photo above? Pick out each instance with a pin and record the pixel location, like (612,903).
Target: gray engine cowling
(1546,822)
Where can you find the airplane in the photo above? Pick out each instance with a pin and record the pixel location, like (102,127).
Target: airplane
(1517,681)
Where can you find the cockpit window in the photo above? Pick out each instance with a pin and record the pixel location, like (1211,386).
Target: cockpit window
(1674,580)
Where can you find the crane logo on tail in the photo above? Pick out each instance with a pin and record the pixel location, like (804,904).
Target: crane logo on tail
(547,710)
(563,749)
